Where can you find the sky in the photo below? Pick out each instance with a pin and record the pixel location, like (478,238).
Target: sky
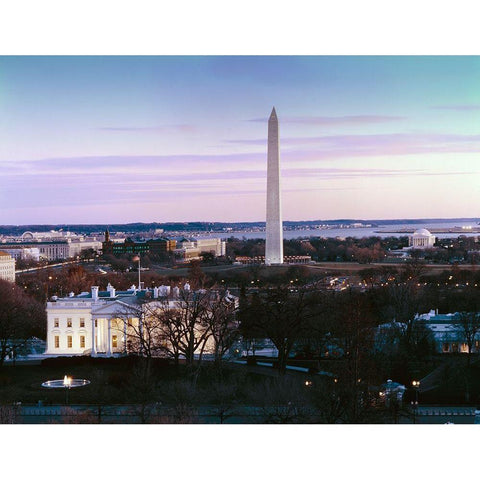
(183,138)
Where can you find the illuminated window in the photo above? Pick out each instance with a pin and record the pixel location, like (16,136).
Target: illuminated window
(57,341)
(114,341)
(69,322)
(82,322)
(55,322)
(464,348)
(69,341)
(82,341)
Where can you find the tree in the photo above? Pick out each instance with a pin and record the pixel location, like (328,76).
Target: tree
(353,330)
(467,320)
(143,389)
(282,400)
(196,275)
(185,323)
(175,327)
(222,324)
(21,317)
(281,315)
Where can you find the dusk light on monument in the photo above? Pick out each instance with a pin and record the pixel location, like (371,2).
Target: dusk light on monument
(239,240)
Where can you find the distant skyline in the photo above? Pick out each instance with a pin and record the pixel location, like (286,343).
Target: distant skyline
(167,139)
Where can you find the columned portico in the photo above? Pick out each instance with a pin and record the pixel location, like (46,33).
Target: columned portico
(109,337)
(94,349)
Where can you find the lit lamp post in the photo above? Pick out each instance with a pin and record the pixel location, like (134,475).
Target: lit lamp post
(67,383)
(414,403)
(135,259)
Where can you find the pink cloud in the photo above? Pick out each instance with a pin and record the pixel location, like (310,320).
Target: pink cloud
(344,120)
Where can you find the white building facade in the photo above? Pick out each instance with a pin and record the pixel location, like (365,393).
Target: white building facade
(421,239)
(55,249)
(447,332)
(7,267)
(105,323)
(23,253)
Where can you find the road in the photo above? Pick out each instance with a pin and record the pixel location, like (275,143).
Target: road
(206,414)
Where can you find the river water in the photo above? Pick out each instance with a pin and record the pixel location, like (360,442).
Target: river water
(380,231)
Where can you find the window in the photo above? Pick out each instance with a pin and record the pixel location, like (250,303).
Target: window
(69,322)
(82,322)
(464,348)
(82,341)
(114,341)
(454,347)
(55,322)
(95,322)
(57,341)
(69,341)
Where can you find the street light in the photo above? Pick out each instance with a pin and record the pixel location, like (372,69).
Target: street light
(414,404)
(135,259)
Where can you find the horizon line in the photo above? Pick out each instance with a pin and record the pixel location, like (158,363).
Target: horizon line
(424,219)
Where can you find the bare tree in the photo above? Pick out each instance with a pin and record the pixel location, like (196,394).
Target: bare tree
(282,400)
(467,324)
(186,323)
(222,324)
(20,317)
(181,327)
(181,396)
(8,414)
(143,389)
(280,315)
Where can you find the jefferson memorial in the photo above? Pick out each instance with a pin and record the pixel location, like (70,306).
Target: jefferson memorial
(421,238)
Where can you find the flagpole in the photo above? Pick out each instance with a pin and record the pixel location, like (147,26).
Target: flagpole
(139,284)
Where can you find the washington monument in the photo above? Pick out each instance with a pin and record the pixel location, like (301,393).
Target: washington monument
(274,239)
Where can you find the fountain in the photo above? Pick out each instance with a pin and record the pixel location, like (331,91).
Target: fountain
(67,383)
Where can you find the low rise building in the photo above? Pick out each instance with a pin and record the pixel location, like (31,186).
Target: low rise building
(448,332)
(156,246)
(23,253)
(55,249)
(108,323)
(7,267)
(260,259)
(421,239)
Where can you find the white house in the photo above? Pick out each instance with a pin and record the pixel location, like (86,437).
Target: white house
(105,323)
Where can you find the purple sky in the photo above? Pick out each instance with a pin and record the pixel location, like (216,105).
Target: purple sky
(124,139)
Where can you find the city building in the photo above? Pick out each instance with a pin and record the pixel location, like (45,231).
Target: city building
(7,267)
(421,239)
(156,246)
(447,332)
(274,228)
(192,249)
(56,249)
(23,253)
(105,323)
(292,260)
